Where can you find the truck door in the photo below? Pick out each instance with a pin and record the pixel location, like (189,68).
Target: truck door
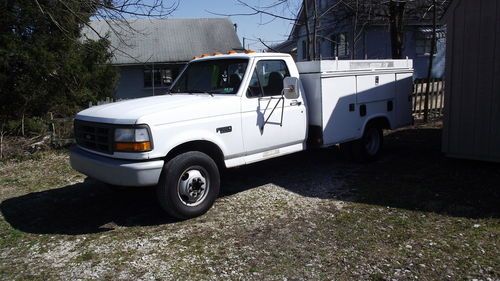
(271,124)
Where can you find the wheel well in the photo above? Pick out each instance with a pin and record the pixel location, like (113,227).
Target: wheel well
(380,122)
(206,147)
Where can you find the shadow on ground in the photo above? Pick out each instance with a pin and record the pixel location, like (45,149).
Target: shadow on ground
(80,208)
(413,174)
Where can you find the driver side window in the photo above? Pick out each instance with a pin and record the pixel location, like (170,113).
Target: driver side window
(267,78)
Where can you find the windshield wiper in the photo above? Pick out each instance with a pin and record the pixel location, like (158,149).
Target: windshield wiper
(197,91)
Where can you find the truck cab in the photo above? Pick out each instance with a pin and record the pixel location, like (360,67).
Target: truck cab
(225,111)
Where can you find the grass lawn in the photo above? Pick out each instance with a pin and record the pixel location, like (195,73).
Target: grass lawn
(412,215)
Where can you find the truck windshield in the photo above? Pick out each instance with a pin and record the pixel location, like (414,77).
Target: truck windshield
(221,76)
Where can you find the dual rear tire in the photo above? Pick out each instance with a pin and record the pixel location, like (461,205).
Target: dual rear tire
(366,149)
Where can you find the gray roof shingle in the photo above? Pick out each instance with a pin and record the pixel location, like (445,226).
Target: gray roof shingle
(166,40)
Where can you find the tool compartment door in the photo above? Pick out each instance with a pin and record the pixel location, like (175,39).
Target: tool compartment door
(340,117)
(372,88)
(377,94)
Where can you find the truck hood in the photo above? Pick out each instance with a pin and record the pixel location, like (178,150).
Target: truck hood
(161,109)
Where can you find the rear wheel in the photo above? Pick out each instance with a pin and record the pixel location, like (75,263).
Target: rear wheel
(189,185)
(369,147)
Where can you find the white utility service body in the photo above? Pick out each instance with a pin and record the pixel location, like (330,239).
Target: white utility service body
(230,110)
(344,95)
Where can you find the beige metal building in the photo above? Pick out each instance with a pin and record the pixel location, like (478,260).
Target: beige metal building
(472,99)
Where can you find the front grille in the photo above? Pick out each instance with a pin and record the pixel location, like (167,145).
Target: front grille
(94,136)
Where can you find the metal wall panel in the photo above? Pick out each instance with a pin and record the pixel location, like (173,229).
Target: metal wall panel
(495,105)
(468,97)
(485,79)
(472,102)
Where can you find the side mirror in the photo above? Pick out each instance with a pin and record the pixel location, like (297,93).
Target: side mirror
(291,87)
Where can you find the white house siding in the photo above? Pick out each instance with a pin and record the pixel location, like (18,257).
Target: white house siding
(375,43)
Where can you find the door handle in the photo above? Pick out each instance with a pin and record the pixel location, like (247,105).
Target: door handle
(295,103)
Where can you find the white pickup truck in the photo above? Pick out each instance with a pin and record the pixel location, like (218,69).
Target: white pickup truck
(234,109)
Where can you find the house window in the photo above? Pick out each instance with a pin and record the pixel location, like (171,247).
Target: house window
(322,4)
(423,44)
(333,50)
(161,77)
(304,50)
(166,76)
(318,43)
(340,45)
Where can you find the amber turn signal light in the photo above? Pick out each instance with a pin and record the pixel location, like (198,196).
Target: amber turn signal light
(133,146)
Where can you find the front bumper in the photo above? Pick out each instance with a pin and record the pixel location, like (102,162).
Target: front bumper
(116,171)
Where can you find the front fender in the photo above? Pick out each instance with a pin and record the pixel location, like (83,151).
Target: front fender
(166,139)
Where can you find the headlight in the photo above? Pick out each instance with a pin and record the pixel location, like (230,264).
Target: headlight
(132,139)
(124,135)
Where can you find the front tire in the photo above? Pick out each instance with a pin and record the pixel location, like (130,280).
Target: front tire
(189,185)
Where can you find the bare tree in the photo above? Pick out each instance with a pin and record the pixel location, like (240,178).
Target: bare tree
(359,14)
(396,16)
(308,16)
(118,15)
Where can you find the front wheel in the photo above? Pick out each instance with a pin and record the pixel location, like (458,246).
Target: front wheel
(189,185)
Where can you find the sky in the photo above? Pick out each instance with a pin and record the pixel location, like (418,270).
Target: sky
(271,30)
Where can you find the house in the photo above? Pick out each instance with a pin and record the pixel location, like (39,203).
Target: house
(288,46)
(471,128)
(151,53)
(336,37)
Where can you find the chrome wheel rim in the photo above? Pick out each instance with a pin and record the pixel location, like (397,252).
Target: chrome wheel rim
(193,186)
(372,142)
